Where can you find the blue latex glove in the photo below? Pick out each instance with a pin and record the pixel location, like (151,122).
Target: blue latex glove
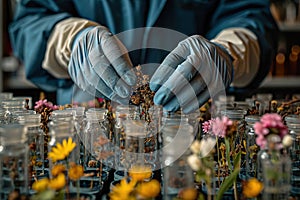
(193,72)
(100,65)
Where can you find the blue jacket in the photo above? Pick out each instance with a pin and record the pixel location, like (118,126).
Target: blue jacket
(35,19)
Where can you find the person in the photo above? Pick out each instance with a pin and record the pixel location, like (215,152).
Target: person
(195,48)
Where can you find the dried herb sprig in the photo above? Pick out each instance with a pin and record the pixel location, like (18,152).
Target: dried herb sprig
(142,96)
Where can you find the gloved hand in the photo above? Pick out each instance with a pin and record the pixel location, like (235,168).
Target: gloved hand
(100,65)
(193,72)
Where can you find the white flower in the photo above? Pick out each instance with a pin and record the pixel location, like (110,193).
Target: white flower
(195,147)
(194,162)
(207,145)
(287,140)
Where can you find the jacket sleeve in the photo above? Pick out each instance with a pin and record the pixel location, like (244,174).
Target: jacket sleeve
(29,31)
(255,16)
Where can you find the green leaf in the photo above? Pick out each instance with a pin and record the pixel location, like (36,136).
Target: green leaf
(47,195)
(227,183)
(237,160)
(227,146)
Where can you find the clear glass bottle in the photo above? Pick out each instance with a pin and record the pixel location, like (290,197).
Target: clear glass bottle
(276,172)
(177,175)
(293,124)
(252,148)
(13,161)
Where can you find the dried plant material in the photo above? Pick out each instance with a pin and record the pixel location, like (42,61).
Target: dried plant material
(142,95)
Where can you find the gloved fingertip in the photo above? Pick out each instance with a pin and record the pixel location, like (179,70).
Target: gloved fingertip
(171,107)
(158,99)
(119,100)
(122,91)
(153,86)
(130,78)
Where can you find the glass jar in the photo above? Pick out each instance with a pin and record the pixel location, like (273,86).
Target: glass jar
(135,139)
(153,138)
(60,130)
(35,141)
(276,172)
(98,150)
(5,96)
(63,120)
(293,124)
(13,161)
(177,136)
(79,124)
(238,117)
(122,113)
(2,118)
(252,148)
(96,133)
(11,107)
(27,99)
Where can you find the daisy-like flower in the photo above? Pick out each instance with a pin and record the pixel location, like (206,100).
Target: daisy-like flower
(140,173)
(206,126)
(57,169)
(58,182)
(252,188)
(61,151)
(123,190)
(40,185)
(75,172)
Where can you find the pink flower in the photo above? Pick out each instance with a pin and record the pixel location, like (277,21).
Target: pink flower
(261,141)
(42,104)
(219,126)
(206,126)
(270,123)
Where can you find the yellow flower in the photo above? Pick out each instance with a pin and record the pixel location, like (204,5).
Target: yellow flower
(123,190)
(140,172)
(149,189)
(252,188)
(61,151)
(57,169)
(40,185)
(75,172)
(57,183)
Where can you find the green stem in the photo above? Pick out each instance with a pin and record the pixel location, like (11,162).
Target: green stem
(235,190)
(77,188)
(218,161)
